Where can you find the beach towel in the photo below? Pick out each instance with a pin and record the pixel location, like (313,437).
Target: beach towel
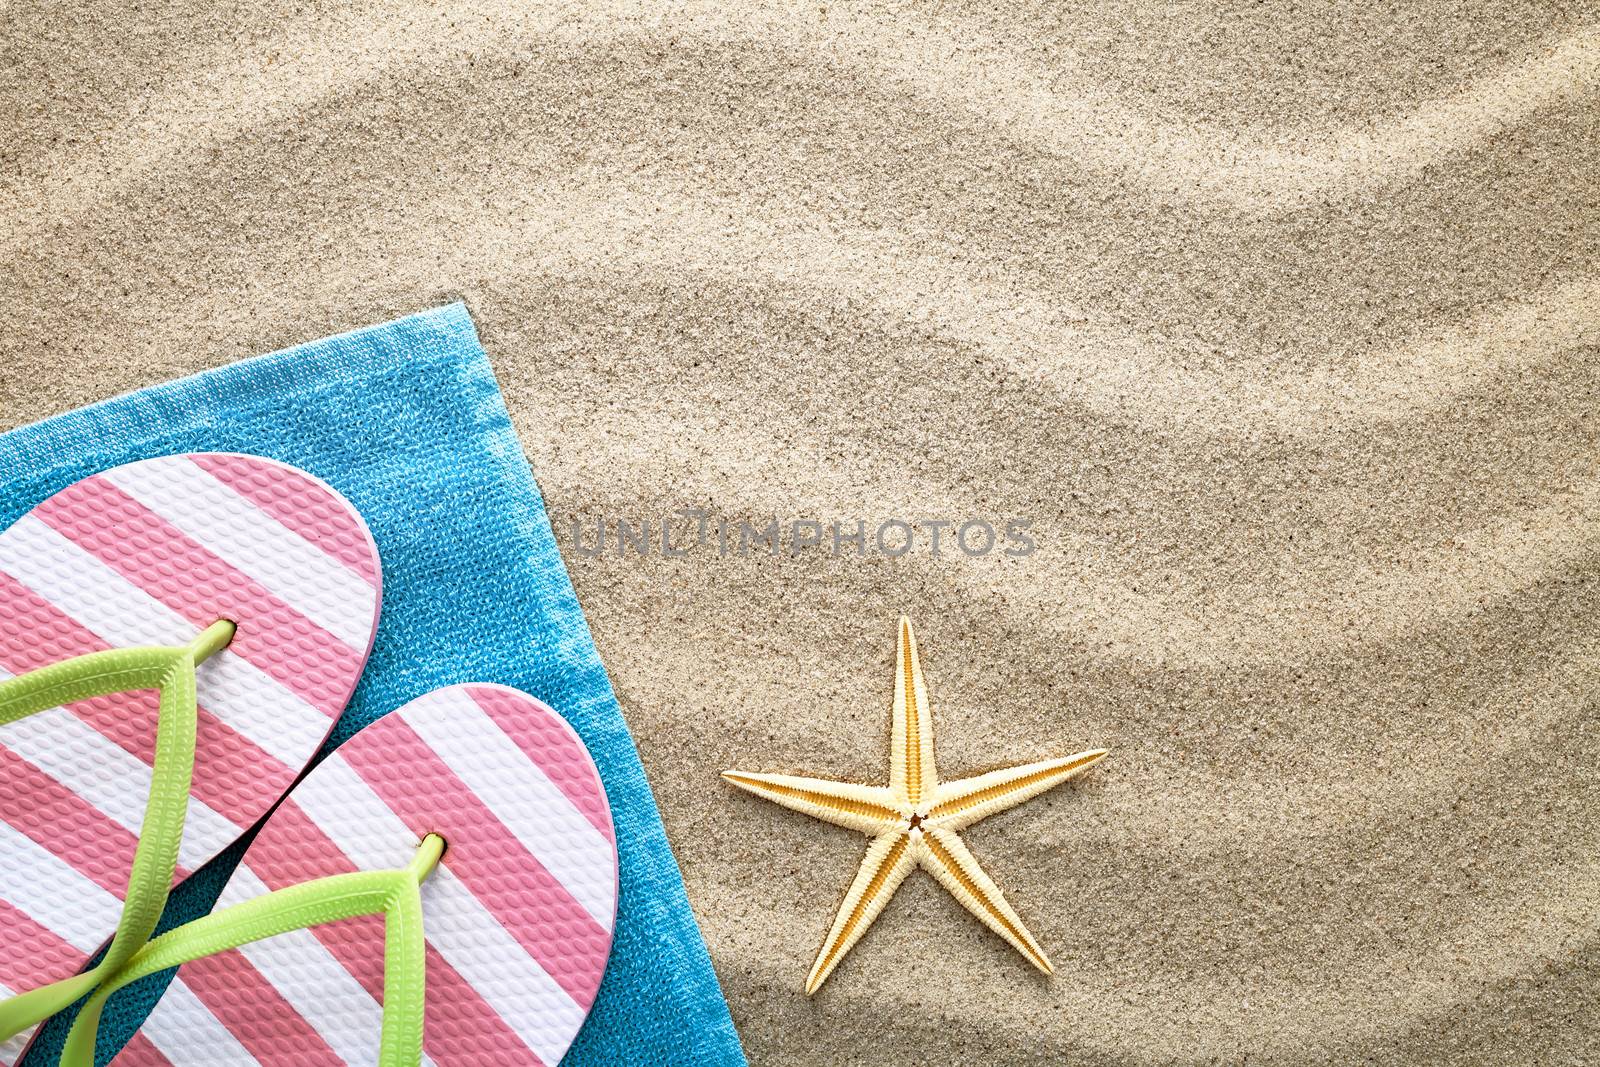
(405,419)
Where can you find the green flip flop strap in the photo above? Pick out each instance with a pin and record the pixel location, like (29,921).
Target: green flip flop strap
(171,672)
(396,894)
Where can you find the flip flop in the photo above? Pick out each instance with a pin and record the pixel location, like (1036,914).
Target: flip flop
(177,638)
(441,888)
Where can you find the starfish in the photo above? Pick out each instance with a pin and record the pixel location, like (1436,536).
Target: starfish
(915,821)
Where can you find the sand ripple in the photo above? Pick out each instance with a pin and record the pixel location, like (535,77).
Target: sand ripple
(1302,406)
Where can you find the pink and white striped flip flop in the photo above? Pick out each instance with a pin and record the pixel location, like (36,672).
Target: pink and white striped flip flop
(150,554)
(517,916)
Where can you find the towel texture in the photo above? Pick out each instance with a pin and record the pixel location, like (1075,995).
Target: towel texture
(405,419)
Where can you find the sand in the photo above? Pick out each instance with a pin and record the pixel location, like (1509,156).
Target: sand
(1279,325)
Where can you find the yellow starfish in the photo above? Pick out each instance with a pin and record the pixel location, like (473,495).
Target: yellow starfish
(915,821)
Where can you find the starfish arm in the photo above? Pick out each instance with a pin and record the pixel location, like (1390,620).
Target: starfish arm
(957,805)
(911,771)
(946,857)
(867,808)
(887,862)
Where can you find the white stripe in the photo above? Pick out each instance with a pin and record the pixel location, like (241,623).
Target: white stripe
(185,1031)
(363,827)
(123,615)
(250,540)
(522,797)
(109,778)
(45,888)
(88,590)
(11,1051)
(477,946)
(309,977)
(312,980)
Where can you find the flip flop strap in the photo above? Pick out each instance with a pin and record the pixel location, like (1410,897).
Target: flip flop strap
(170,671)
(395,894)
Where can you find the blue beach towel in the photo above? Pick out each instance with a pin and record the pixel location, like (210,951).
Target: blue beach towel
(405,419)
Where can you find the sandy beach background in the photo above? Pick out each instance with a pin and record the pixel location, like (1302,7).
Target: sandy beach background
(1280,325)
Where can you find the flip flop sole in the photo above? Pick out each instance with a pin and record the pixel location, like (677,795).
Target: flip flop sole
(518,916)
(151,553)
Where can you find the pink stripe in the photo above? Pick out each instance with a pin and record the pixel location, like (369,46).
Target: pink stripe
(552,745)
(308,508)
(37,634)
(509,881)
(461,1029)
(64,824)
(191,580)
(33,956)
(139,1052)
(292,849)
(255,1012)
(232,775)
